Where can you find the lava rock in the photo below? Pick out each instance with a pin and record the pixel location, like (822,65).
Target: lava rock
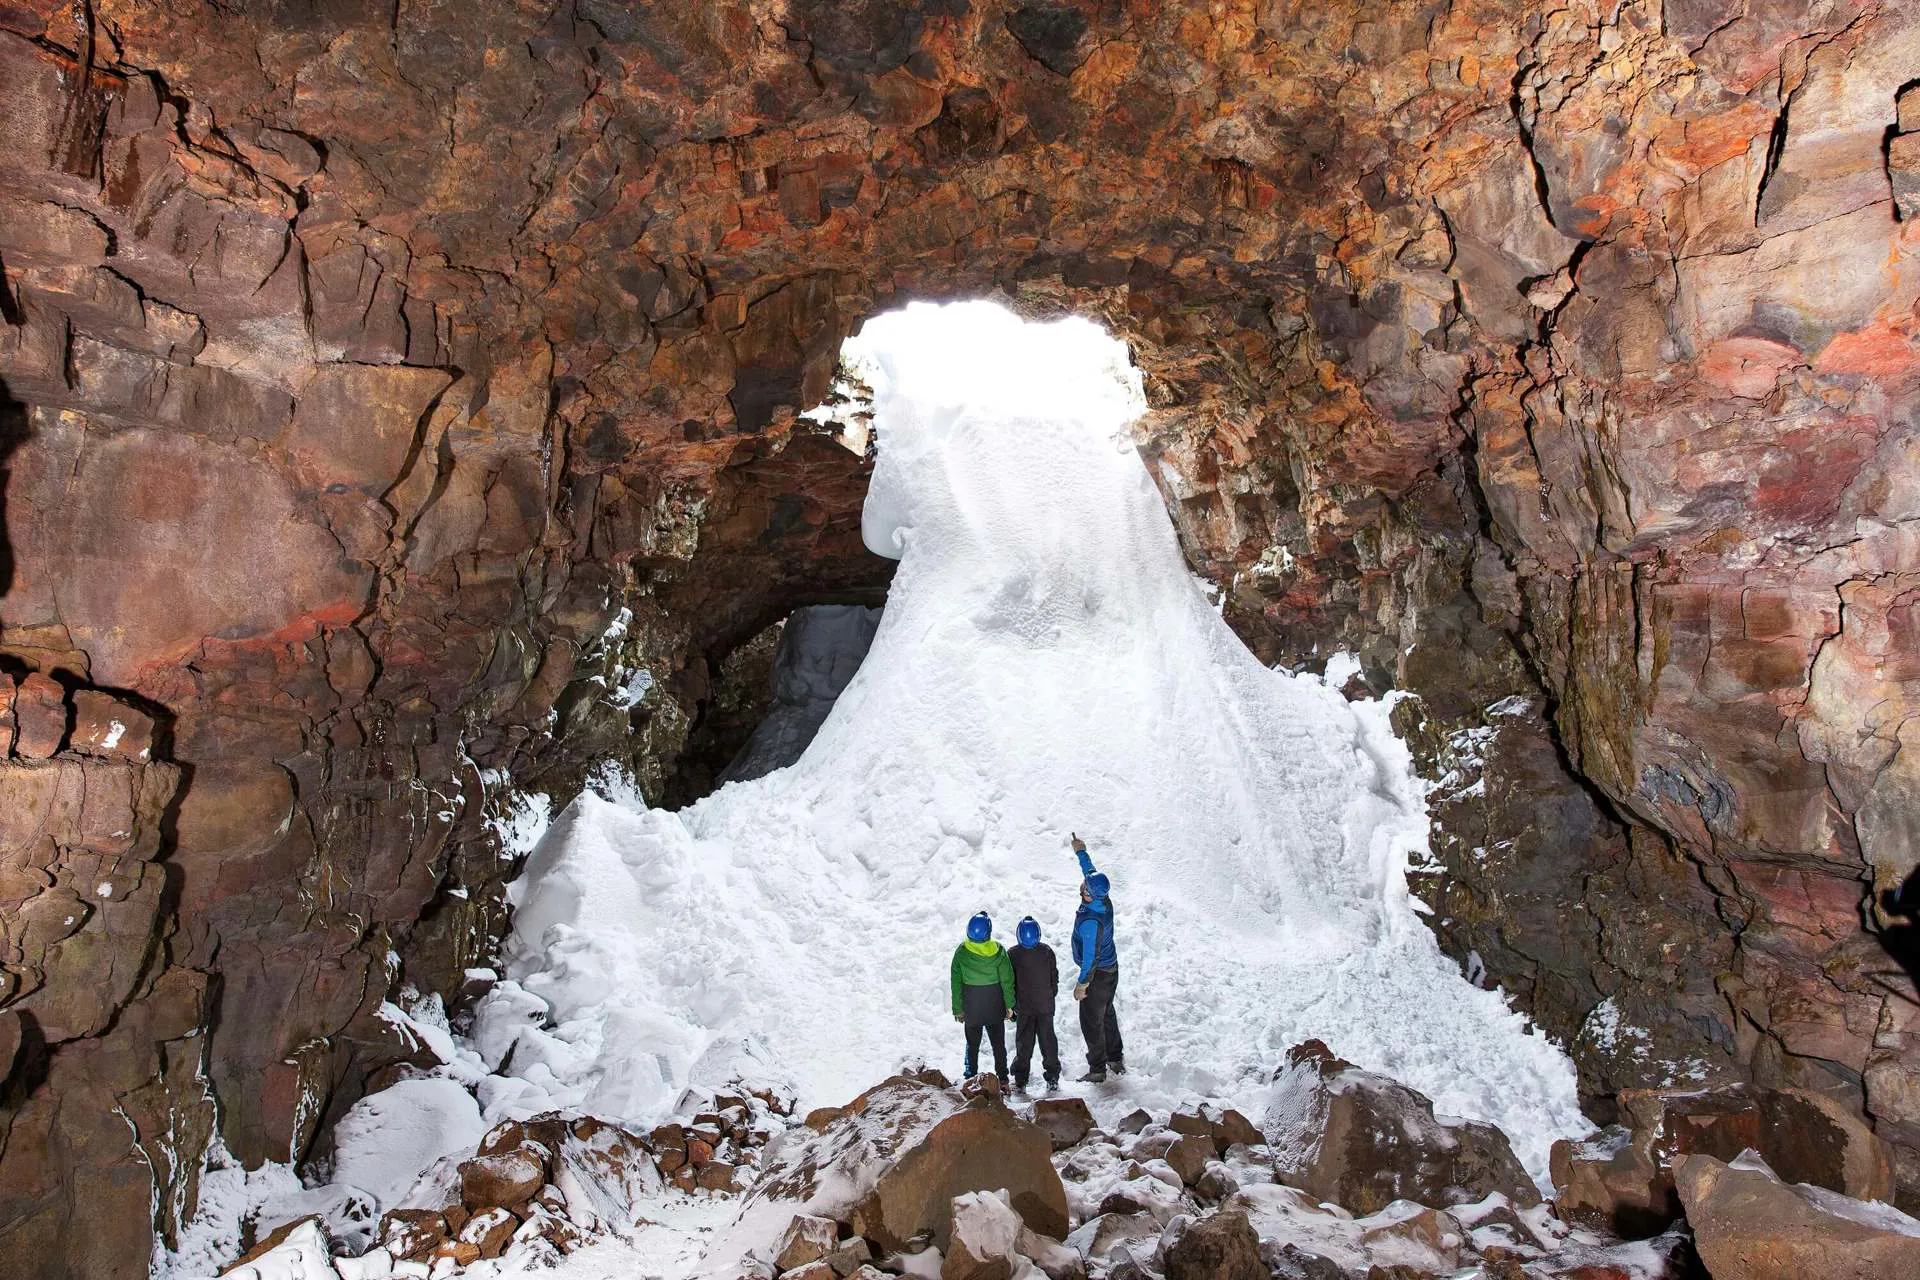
(503,1180)
(41,715)
(1066,1120)
(981,1237)
(807,1238)
(1362,1141)
(1220,1247)
(1749,1225)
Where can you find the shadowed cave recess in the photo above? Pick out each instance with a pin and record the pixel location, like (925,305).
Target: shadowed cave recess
(402,407)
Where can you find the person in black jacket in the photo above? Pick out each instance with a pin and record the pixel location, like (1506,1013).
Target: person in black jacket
(1036,982)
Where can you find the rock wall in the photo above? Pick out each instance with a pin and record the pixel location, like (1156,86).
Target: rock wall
(386,387)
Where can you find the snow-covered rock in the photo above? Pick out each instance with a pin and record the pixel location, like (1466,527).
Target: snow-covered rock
(1361,1140)
(1749,1225)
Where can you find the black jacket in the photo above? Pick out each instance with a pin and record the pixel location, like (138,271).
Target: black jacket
(1036,979)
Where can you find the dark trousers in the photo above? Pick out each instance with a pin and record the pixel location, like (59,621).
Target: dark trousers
(1028,1027)
(1097,1022)
(985,1009)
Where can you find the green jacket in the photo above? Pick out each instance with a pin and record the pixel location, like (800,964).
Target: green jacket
(981,964)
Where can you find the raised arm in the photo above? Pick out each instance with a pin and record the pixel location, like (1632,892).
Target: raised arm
(1080,851)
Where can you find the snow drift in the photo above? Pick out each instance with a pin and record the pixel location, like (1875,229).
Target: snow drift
(1045,664)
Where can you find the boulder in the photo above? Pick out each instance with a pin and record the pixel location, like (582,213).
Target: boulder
(1190,1122)
(293,1246)
(849,1256)
(1216,1182)
(502,1180)
(983,1147)
(1620,1180)
(1189,1155)
(104,725)
(981,1236)
(717,1175)
(1099,1238)
(412,1233)
(40,717)
(808,1238)
(490,1231)
(1133,1122)
(1612,1182)
(1066,1120)
(1362,1141)
(1408,1234)
(1220,1247)
(1749,1225)
(1054,1259)
(892,1162)
(1234,1129)
(1288,1261)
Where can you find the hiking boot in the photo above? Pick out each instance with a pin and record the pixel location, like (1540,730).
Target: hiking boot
(1053,1084)
(1094,1077)
(1118,1068)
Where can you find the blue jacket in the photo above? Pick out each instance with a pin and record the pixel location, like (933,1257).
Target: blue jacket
(1093,931)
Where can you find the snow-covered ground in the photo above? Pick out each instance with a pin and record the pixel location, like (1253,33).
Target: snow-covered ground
(1046,664)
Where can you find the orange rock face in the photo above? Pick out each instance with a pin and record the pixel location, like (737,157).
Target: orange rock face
(382,388)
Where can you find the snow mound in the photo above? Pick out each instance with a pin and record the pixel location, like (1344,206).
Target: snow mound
(1046,664)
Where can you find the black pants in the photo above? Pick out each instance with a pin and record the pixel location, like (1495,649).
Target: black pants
(1028,1027)
(985,1009)
(1097,1022)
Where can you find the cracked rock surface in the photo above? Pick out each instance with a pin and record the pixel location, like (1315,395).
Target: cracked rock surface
(383,387)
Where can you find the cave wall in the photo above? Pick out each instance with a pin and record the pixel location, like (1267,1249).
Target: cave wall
(385,385)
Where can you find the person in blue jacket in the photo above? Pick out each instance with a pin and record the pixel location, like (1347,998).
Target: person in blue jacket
(1098,965)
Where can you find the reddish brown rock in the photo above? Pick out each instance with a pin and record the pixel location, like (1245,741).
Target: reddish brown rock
(1361,1141)
(41,713)
(1189,1155)
(1220,1247)
(489,1231)
(338,436)
(1749,1225)
(502,1180)
(412,1234)
(1066,1120)
(982,1236)
(1612,1182)
(110,727)
(808,1238)
(918,1146)
(9,725)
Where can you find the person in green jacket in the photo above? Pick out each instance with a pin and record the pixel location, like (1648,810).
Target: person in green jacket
(983,992)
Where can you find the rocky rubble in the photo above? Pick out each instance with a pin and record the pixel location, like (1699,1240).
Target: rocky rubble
(918,1177)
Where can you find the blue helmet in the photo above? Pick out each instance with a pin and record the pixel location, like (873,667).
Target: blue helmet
(980,928)
(1029,932)
(1098,884)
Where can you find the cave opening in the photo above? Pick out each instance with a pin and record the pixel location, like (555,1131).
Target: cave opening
(764,691)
